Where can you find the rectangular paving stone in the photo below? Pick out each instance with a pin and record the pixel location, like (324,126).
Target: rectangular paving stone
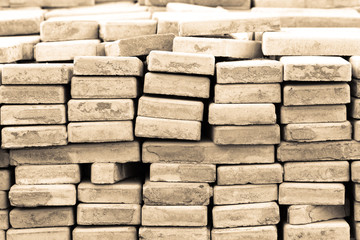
(41,217)
(211,3)
(39,73)
(27,44)
(50,4)
(55,233)
(355,108)
(100,110)
(355,171)
(311,194)
(356,130)
(108,214)
(104,87)
(10,51)
(355,88)
(33,114)
(4,202)
(177,216)
(4,158)
(111,233)
(5,179)
(175,172)
(23,22)
(355,66)
(304,3)
(356,211)
(42,195)
(4,220)
(250,233)
(110,173)
(110,131)
(243,215)
(356,191)
(175,233)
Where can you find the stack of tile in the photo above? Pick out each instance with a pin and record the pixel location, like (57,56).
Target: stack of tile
(5,184)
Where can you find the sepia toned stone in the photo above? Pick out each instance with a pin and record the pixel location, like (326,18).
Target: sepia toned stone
(5,179)
(355,171)
(175,233)
(55,233)
(110,173)
(356,127)
(111,233)
(4,202)
(249,233)
(4,158)
(355,108)
(4,220)
(305,3)
(20,22)
(355,88)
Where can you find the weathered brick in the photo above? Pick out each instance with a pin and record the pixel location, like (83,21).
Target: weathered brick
(4,219)
(27,43)
(305,3)
(5,179)
(249,233)
(110,173)
(4,158)
(51,4)
(355,64)
(55,233)
(211,3)
(356,191)
(174,233)
(356,130)
(20,22)
(355,171)
(355,88)
(355,108)
(110,233)
(4,202)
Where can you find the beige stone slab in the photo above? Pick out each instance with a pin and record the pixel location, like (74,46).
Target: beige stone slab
(311,194)
(10,51)
(313,114)
(171,194)
(32,94)
(47,174)
(42,195)
(111,233)
(4,220)
(249,71)
(4,202)
(356,191)
(100,110)
(211,3)
(355,88)
(315,132)
(175,233)
(355,171)
(247,93)
(104,87)
(241,114)
(356,211)
(5,179)
(51,4)
(205,152)
(250,233)
(108,66)
(4,158)
(243,215)
(305,3)
(177,216)
(120,152)
(246,135)
(68,30)
(2,232)
(188,7)
(20,22)
(140,45)
(115,30)
(39,73)
(355,66)
(248,193)
(55,233)
(27,42)
(314,68)
(355,108)
(65,51)
(303,214)
(33,114)
(33,136)
(167,128)
(333,229)
(127,191)
(356,130)
(177,85)
(170,108)
(325,171)
(108,214)
(41,217)
(110,173)
(175,172)
(174,62)
(316,94)
(91,132)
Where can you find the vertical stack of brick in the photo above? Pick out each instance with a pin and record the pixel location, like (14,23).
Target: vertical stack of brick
(6,181)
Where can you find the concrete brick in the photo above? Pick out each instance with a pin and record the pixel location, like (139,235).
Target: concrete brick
(243,215)
(33,136)
(241,114)
(42,195)
(90,132)
(186,7)
(140,45)
(32,94)
(355,64)
(178,85)
(100,110)
(356,126)
(175,233)
(303,214)
(248,193)
(56,233)
(326,171)
(27,43)
(68,30)
(10,51)
(174,62)
(4,202)
(20,22)
(315,132)
(305,3)
(355,88)
(108,214)
(127,191)
(170,108)
(313,68)
(356,211)
(36,73)
(50,4)
(249,71)
(4,158)
(110,173)
(167,128)
(355,171)
(356,191)
(111,233)
(41,217)
(250,233)
(47,174)
(211,3)
(205,152)
(177,216)
(162,193)
(175,172)
(247,93)
(333,229)
(311,193)
(355,108)
(120,152)
(313,114)
(104,87)
(109,66)
(316,94)
(246,135)
(5,179)
(65,51)
(115,30)
(32,114)
(4,219)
